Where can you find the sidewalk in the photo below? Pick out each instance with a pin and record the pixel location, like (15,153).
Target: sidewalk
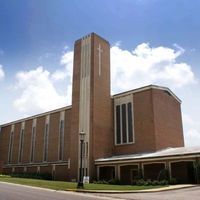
(167,188)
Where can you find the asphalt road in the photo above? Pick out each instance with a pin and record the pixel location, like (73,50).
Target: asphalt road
(18,192)
(192,193)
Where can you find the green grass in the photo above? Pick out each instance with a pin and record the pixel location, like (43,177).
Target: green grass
(61,185)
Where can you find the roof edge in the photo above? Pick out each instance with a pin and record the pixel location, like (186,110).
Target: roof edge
(146,88)
(37,115)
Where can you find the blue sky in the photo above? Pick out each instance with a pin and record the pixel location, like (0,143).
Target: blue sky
(159,37)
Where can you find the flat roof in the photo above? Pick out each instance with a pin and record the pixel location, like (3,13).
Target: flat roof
(141,89)
(168,152)
(37,115)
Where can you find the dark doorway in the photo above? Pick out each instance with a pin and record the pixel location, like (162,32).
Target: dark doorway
(183,172)
(129,174)
(106,173)
(153,171)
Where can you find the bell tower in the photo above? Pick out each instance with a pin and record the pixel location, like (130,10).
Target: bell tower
(91,104)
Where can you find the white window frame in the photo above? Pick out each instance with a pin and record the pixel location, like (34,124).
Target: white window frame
(118,102)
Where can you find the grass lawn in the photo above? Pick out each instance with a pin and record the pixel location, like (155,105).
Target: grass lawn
(61,185)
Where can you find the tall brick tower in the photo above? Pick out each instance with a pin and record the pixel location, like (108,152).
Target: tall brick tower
(91,104)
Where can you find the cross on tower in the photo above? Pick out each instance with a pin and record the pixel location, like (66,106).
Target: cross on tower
(100,50)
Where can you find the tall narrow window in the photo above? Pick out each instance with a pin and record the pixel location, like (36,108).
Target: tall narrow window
(10,147)
(130,124)
(61,140)
(124,132)
(118,128)
(32,144)
(46,138)
(21,144)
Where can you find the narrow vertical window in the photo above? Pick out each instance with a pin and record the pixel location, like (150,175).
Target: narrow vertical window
(21,144)
(32,144)
(124,135)
(10,147)
(124,124)
(130,125)
(118,125)
(46,142)
(61,140)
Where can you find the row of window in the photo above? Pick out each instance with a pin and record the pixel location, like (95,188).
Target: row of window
(33,140)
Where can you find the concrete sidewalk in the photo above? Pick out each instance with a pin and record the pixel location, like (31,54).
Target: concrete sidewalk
(167,188)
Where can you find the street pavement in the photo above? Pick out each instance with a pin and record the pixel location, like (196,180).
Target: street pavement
(19,192)
(192,193)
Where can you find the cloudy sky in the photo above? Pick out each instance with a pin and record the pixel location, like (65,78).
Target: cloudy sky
(152,42)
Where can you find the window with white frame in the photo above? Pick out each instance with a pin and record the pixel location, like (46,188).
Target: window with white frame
(124,122)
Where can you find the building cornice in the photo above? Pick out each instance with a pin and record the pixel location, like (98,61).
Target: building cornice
(147,88)
(36,116)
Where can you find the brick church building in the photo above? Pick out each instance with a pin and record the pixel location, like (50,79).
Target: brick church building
(135,131)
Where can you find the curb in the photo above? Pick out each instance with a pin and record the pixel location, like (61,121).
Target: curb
(163,189)
(132,191)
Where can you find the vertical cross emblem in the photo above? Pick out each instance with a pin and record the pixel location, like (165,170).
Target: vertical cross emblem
(100,50)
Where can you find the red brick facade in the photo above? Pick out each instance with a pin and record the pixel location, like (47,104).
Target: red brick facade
(157,122)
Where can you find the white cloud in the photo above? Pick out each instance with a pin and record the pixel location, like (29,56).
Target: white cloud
(192,130)
(147,65)
(2,73)
(37,92)
(192,137)
(67,61)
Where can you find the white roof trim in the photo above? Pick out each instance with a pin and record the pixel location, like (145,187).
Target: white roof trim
(36,116)
(144,89)
(169,152)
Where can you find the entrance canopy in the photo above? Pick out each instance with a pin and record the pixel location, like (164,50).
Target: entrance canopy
(171,163)
(165,154)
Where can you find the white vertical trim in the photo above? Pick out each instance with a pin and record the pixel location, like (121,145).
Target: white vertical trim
(38,169)
(21,142)
(98,173)
(84,105)
(33,139)
(119,172)
(62,118)
(68,163)
(47,122)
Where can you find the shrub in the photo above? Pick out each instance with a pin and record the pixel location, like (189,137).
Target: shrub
(164,182)
(173,181)
(101,182)
(114,181)
(140,182)
(45,176)
(148,182)
(163,175)
(155,183)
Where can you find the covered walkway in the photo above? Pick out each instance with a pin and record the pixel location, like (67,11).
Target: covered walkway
(167,164)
